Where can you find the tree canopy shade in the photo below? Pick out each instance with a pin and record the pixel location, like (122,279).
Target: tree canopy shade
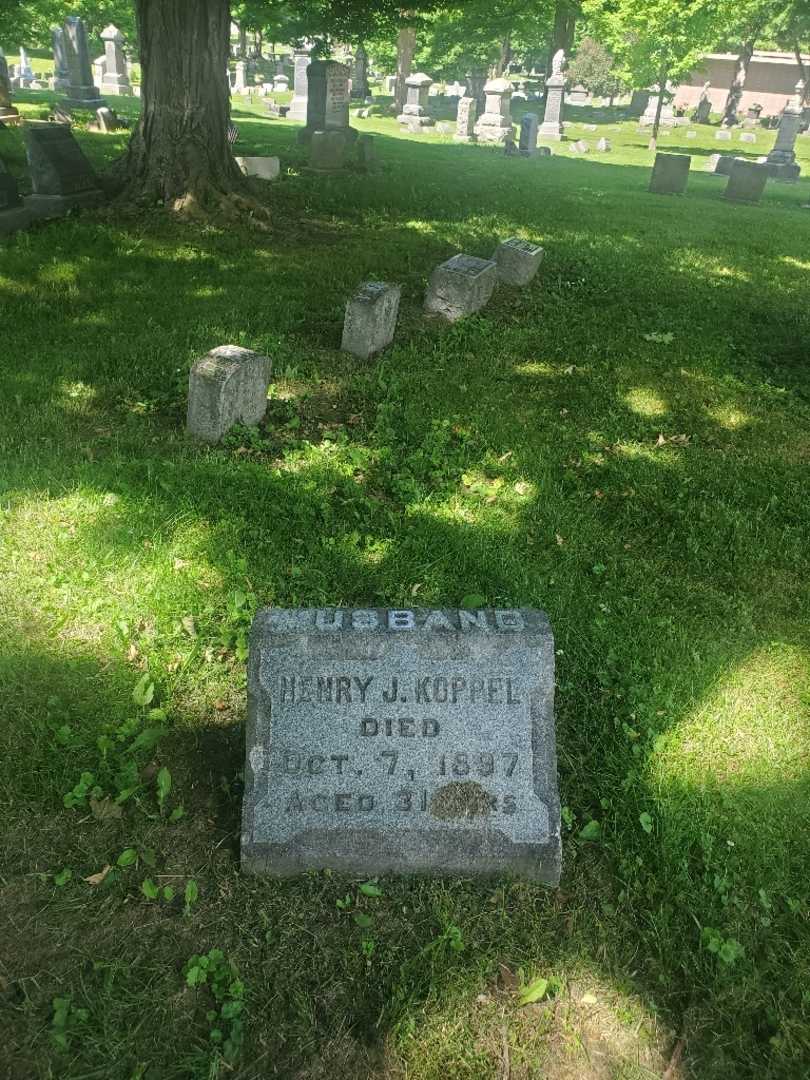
(29,22)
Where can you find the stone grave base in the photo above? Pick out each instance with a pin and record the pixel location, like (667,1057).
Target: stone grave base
(52,206)
(553,132)
(409,120)
(14,218)
(787,172)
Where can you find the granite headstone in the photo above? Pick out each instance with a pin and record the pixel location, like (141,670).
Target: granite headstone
(404,741)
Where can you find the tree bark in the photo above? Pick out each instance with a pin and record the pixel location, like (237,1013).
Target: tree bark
(738,85)
(504,58)
(406,47)
(242,40)
(179,152)
(562,36)
(662,89)
(804,75)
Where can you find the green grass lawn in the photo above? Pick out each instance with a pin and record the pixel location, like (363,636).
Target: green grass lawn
(626,444)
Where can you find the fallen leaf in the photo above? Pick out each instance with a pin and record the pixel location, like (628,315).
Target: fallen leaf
(504,457)
(522,488)
(96,879)
(180,564)
(560,540)
(588,999)
(220,705)
(105,809)
(415,588)
(188,625)
(533,991)
(507,978)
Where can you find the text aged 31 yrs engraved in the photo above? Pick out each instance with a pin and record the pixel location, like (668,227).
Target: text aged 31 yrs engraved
(401,740)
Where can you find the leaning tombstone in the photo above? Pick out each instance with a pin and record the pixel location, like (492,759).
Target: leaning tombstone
(371,318)
(465,120)
(460,287)
(670,174)
(81,92)
(227,386)
(327,151)
(62,178)
(401,741)
(517,260)
(720,164)
(528,134)
(115,79)
(746,181)
(8,113)
(496,119)
(106,120)
(604,145)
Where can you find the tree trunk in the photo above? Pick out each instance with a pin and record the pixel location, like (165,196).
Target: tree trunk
(804,74)
(738,84)
(662,89)
(562,36)
(179,152)
(259,44)
(242,40)
(504,58)
(406,47)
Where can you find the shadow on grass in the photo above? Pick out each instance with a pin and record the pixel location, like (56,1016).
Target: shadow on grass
(664,568)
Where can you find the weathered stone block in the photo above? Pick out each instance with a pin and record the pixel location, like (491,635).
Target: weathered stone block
(265,168)
(327,151)
(518,261)
(227,386)
(720,164)
(383,741)
(670,174)
(746,181)
(371,318)
(461,286)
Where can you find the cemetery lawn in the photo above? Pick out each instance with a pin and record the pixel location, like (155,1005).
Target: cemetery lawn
(626,444)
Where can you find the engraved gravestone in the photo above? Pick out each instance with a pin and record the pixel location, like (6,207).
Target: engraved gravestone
(401,741)
(61,176)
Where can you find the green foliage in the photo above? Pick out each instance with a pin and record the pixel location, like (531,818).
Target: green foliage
(213,971)
(68,1020)
(593,67)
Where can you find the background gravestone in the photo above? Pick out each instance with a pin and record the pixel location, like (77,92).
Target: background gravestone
(7,110)
(115,79)
(401,741)
(81,91)
(528,134)
(328,98)
(298,105)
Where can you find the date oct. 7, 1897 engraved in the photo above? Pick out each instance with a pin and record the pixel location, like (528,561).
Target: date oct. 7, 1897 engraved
(402,741)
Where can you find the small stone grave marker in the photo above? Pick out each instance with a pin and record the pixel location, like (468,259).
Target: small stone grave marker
(604,146)
(461,286)
(529,126)
(371,318)
(227,386)
(746,181)
(722,135)
(670,174)
(327,151)
(518,261)
(416,741)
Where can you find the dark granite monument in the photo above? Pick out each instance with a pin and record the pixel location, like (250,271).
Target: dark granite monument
(407,741)
(61,176)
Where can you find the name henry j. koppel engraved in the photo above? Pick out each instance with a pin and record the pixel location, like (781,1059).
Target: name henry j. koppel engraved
(401,740)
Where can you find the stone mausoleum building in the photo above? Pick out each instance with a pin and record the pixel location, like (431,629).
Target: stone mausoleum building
(770,82)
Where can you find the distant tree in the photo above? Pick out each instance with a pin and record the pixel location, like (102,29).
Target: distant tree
(656,40)
(594,68)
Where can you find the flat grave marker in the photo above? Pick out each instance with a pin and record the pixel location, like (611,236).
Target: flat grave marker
(401,741)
